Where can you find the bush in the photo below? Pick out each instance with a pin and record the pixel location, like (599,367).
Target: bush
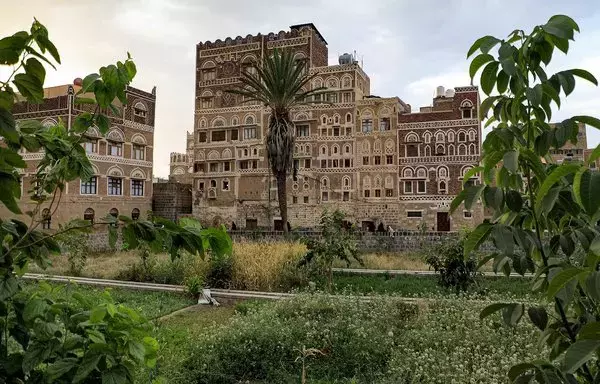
(356,337)
(450,344)
(454,271)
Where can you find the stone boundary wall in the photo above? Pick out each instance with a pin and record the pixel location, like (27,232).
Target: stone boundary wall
(367,241)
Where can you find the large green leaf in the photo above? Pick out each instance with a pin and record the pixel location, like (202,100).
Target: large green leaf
(582,73)
(511,161)
(34,68)
(7,125)
(30,87)
(586,188)
(485,44)
(476,238)
(34,308)
(579,353)
(534,95)
(517,370)
(594,122)
(36,354)
(478,62)
(88,364)
(136,350)
(514,201)
(513,313)
(61,367)
(115,375)
(491,309)
(538,316)
(554,177)
(592,285)
(590,331)
(488,77)
(561,279)
(594,155)
(9,286)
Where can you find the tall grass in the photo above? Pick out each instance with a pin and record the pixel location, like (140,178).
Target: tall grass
(265,266)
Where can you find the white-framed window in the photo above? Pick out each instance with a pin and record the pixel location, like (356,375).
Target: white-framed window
(89,187)
(408,187)
(384,124)
(91,146)
(302,130)
(467,214)
(324,196)
(114,149)
(115,186)
(207,102)
(249,133)
(137,187)
(421,186)
(225,185)
(367,125)
(139,152)
(209,74)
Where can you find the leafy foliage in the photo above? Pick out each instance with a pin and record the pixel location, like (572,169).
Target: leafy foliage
(337,241)
(454,270)
(280,83)
(543,212)
(41,339)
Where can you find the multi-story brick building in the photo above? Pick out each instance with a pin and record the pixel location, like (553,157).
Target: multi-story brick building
(122,159)
(367,155)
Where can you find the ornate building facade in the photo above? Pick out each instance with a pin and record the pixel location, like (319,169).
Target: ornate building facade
(369,156)
(122,159)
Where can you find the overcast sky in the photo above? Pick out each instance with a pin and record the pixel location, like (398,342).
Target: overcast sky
(408,48)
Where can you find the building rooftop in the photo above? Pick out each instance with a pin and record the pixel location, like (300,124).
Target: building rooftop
(311,25)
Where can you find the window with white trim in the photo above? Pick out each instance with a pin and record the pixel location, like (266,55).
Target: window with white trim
(115,186)
(137,187)
(89,187)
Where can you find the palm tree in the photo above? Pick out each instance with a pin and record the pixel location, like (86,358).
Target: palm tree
(281,84)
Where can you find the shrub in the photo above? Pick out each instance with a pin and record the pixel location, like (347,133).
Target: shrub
(356,337)
(450,344)
(74,245)
(454,270)
(194,285)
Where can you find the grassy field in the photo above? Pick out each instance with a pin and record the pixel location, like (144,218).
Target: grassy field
(150,304)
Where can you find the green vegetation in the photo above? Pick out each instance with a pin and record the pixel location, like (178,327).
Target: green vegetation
(545,215)
(149,304)
(70,338)
(414,286)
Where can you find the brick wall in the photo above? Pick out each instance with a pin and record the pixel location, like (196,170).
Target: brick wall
(171,200)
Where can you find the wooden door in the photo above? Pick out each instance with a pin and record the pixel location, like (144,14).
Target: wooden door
(443,222)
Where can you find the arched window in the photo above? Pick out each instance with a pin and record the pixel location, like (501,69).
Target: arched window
(442,187)
(439,150)
(347,148)
(467,109)
(442,173)
(114,212)
(135,214)
(249,120)
(346,182)
(422,173)
(46,218)
(408,173)
(427,137)
(439,137)
(462,137)
(89,215)
(462,149)
(427,150)
(472,149)
(324,183)
(412,138)
(348,117)
(450,136)
(235,121)
(324,150)
(323,119)
(213,183)
(451,150)
(336,119)
(366,146)
(335,149)
(472,135)
(246,152)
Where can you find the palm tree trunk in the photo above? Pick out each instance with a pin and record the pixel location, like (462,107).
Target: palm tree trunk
(282,198)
